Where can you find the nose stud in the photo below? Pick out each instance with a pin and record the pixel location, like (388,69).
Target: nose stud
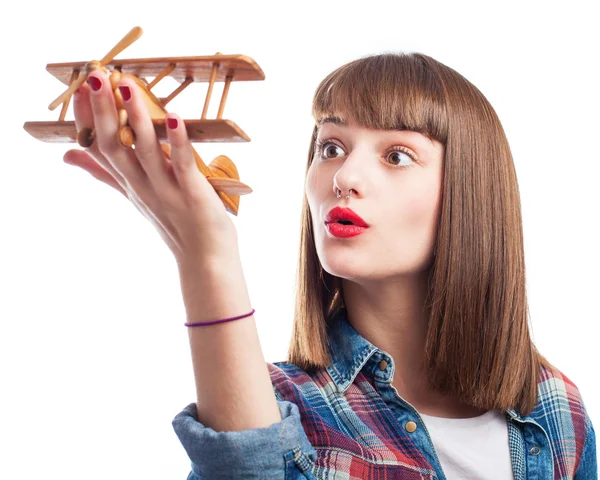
(340,192)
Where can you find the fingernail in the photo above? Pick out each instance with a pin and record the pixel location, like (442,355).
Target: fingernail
(125,92)
(94,82)
(172,123)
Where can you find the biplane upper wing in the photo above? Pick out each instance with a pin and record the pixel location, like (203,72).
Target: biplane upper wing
(238,67)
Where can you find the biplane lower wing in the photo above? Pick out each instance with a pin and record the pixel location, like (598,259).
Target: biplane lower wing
(207,130)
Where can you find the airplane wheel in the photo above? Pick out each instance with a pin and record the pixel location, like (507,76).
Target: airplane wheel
(126,136)
(85,137)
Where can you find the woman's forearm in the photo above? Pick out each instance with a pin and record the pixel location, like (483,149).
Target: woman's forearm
(233,385)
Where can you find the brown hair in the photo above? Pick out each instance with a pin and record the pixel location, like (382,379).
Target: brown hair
(478,345)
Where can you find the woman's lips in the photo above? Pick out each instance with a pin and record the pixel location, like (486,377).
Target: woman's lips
(340,213)
(344,231)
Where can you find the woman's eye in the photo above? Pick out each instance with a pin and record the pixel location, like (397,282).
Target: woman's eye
(396,157)
(329,148)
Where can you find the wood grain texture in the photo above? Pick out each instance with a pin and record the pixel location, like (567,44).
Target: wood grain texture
(209,130)
(239,67)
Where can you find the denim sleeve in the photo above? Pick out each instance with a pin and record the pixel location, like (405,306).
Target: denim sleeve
(281,451)
(588,464)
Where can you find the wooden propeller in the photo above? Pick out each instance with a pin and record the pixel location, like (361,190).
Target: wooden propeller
(132,36)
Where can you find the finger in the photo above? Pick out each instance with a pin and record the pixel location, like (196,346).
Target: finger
(84,117)
(82,159)
(192,182)
(147,146)
(122,160)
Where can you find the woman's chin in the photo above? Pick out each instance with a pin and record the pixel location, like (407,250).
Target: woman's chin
(349,269)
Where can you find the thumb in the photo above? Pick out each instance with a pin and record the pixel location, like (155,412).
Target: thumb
(83,160)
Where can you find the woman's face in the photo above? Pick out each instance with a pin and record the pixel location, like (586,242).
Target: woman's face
(396,181)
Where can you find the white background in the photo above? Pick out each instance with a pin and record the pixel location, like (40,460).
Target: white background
(95,359)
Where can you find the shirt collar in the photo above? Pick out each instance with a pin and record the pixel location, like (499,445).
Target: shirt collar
(351,352)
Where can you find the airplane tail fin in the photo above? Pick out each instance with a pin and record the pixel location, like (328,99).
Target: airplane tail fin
(222,166)
(223,175)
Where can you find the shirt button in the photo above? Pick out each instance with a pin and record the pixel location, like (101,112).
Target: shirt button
(410,426)
(383,365)
(535,450)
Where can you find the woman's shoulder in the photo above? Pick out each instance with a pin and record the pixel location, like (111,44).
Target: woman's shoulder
(557,392)
(560,410)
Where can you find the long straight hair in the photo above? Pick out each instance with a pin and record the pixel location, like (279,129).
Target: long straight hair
(478,344)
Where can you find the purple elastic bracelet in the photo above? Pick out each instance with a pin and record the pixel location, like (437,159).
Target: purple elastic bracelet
(201,324)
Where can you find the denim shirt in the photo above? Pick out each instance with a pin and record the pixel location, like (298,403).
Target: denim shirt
(348,422)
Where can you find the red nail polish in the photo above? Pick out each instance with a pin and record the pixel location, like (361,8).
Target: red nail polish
(172,123)
(94,82)
(125,92)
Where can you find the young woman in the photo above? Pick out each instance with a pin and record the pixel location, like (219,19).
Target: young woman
(411,356)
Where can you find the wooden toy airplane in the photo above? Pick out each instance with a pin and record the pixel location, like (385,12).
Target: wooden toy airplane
(221,173)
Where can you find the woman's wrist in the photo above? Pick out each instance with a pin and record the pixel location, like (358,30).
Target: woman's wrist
(214,290)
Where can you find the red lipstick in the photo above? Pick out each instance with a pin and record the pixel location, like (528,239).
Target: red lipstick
(345,223)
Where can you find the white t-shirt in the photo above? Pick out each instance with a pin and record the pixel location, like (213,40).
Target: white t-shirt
(472,448)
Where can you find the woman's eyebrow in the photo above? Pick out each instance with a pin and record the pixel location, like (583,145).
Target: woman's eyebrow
(334,120)
(340,121)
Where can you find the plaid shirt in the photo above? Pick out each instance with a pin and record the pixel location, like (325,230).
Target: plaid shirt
(347,422)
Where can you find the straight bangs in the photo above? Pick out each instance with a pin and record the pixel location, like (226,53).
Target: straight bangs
(385,92)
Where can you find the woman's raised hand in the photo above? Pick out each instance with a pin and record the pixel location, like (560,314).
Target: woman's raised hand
(173,194)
